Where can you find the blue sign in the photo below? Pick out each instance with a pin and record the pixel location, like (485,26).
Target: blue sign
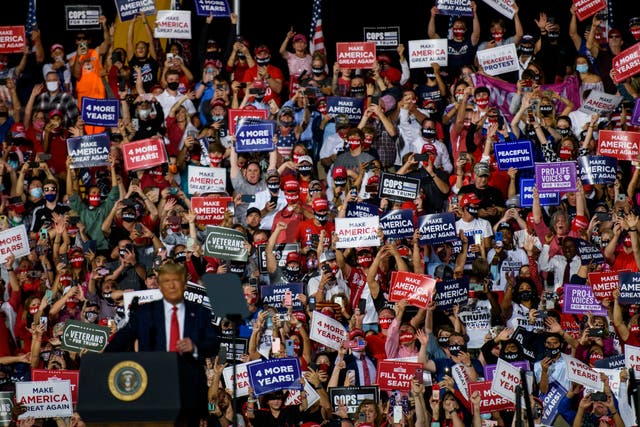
(450,293)
(612,362)
(272,295)
(454,7)
(629,287)
(254,137)
(217,8)
(551,402)
(597,169)
(437,228)
(526,195)
(352,107)
(275,375)
(589,253)
(100,112)
(361,210)
(89,150)
(517,155)
(398,224)
(128,9)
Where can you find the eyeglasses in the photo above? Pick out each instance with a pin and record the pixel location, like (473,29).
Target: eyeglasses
(50,189)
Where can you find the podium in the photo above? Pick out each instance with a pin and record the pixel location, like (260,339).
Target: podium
(134,389)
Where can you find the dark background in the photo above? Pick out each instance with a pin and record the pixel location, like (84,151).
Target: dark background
(269,21)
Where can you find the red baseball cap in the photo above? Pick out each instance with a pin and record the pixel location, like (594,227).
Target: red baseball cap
(580,222)
(429,148)
(469,199)
(320,205)
(291,185)
(393,74)
(293,257)
(356,333)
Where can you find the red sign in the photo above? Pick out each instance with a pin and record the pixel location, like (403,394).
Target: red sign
(417,289)
(46,375)
(394,375)
(627,63)
(570,325)
(236,114)
(604,283)
(489,401)
(587,8)
(619,144)
(144,154)
(12,39)
(210,210)
(356,54)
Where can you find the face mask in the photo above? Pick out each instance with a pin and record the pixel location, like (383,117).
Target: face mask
(94,200)
(406,337)
(627,241)
(510,356)
(354,144)
(144,114)
(357,91)
(582,68)
(482,102)
(16,219)
(429,134)
(45,355)
(173,85)
(292,199)
(263,61)
(4,114)
(33,310)
(552,352)
(497,36)
(526,295)
(77,262)
(290,274)
(635,32)
(566,153)
(304,170)
(443,341)
(564,132)
(365,261)
(546,110)
(50,197)
(52,86)
(554,35)
(456,349)
(473,211)
(384,322)
(526,50)
(180,257)
(91,316)
(274,187)
(459,97)
(36,192)
(128,216)
(317,71)
(458,32)
(71,303)
(322,219)
(595,357)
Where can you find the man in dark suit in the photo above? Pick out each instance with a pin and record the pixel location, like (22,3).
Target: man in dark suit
(173,324)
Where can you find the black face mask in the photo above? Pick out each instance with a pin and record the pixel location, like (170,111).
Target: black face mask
(263,61)
(322,219)
(180,257)
(357,91)
(107,297)
(554,35)
(531,132)
(304,170)
(564,132)
(4,114)
(546,110)
(526,295)
(291,274)
(91,316)
(120,311)
(45,355)
(274,187)
(510,356)
(525,50)
(442,341)
(429,133)
(473,211)
(173,85)
(551,352)
(128,217)
(317,71)
(456,349)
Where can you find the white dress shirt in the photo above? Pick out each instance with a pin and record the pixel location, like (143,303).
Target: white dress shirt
(168,312)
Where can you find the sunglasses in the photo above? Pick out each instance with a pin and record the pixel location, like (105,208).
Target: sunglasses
(50,189)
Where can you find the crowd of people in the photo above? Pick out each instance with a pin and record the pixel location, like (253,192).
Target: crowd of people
(98,233)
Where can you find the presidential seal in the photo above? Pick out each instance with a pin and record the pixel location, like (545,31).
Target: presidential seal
(127,381)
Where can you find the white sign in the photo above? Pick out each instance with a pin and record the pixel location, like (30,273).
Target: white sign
(45,399)
(498,60)
(293,398)
(242,378)
(505,379)
(614,379)
(145,296)
(505,7)
(173,24)
(327,331)
(461,378)
(582,373)
(357,232)
(600,103)
(632,358)
(14,241)
(423,53)
(203,180)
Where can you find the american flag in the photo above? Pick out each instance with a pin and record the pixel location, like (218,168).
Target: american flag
(317,38)
(31,18)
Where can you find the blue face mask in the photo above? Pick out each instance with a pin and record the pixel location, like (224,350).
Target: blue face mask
(36,192)
(50,197)
(582,68)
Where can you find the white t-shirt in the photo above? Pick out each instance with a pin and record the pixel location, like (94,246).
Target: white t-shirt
(478,226)
(167,101)
(515,259)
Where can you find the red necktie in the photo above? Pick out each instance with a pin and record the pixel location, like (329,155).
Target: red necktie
(365,370)
(174,334)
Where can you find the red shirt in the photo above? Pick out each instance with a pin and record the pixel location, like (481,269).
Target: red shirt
(174,133)
(308,227)
(252,73)
(292,219)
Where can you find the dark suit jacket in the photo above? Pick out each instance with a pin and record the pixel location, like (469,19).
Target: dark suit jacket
(147,325)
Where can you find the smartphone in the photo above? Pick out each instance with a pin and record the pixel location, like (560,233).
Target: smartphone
(477,239)
(63,258)
(464,155)
(418,376)
(44,320)
(44,233)
(275,345)
(34,165)
(90,245)
(351,373)
(371,188)
(288,300)
(231,207)
(596,332)
(362,417)
(104,271)
(170,56)
(242,85)
(375,99)
(211,406)
(45,157)
(312,303)
(269,321)
(397,414)
(447,371)
(49,295)
(248,198)
(274,200)
(338,300)
(435,392)
(603,216)
(362,305)
(83,47)
(498,236)
(289,348)
(138,228)
(424,157)
(173,190)
(222,355)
